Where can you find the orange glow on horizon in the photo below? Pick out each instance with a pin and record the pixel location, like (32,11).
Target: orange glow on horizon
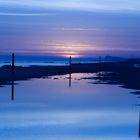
(72,49)
(72,56)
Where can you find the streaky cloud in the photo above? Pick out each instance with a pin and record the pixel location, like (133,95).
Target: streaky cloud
(86,5)
(82,29)
(24,14)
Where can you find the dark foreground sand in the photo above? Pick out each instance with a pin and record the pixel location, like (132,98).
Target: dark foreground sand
(123,73)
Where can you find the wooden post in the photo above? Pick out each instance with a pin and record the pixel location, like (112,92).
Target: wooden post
(13,73)
(70,72)
(70,63)
(100,61)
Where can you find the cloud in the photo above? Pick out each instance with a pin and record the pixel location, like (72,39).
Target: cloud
(24,14)
(88,5)
(81,29)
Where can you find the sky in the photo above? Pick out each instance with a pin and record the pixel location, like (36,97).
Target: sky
(80,28)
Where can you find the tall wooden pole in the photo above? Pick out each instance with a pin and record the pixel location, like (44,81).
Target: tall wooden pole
(70,72)
(100,61)
(70,63)
(13,74)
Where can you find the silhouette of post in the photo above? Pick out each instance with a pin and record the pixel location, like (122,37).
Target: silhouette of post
(13,74)
(70,72)
(69,80)
(70,63)
(100,61)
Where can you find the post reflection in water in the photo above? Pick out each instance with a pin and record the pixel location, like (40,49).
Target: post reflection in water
(139,126)
(70,80)
(12,89)
(13,72)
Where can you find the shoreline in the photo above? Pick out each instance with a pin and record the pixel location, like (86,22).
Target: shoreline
(123,73)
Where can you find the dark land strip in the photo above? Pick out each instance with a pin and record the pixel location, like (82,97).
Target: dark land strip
(122,73)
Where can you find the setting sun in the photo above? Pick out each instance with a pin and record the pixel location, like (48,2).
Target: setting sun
(69,69)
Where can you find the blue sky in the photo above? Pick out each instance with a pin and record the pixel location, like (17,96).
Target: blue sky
(76,27)
(87,5)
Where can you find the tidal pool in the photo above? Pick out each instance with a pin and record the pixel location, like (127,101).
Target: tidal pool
(51,108)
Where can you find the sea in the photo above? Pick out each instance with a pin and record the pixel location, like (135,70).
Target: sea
(50,61)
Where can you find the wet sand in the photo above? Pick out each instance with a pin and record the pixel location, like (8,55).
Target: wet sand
(123,73)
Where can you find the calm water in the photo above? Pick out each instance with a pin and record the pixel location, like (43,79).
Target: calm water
(49,109)
(43,61)
(46,63)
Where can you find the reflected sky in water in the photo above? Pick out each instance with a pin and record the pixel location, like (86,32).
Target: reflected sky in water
(48,109)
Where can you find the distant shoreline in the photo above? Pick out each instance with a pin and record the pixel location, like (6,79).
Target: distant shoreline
(123,73)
